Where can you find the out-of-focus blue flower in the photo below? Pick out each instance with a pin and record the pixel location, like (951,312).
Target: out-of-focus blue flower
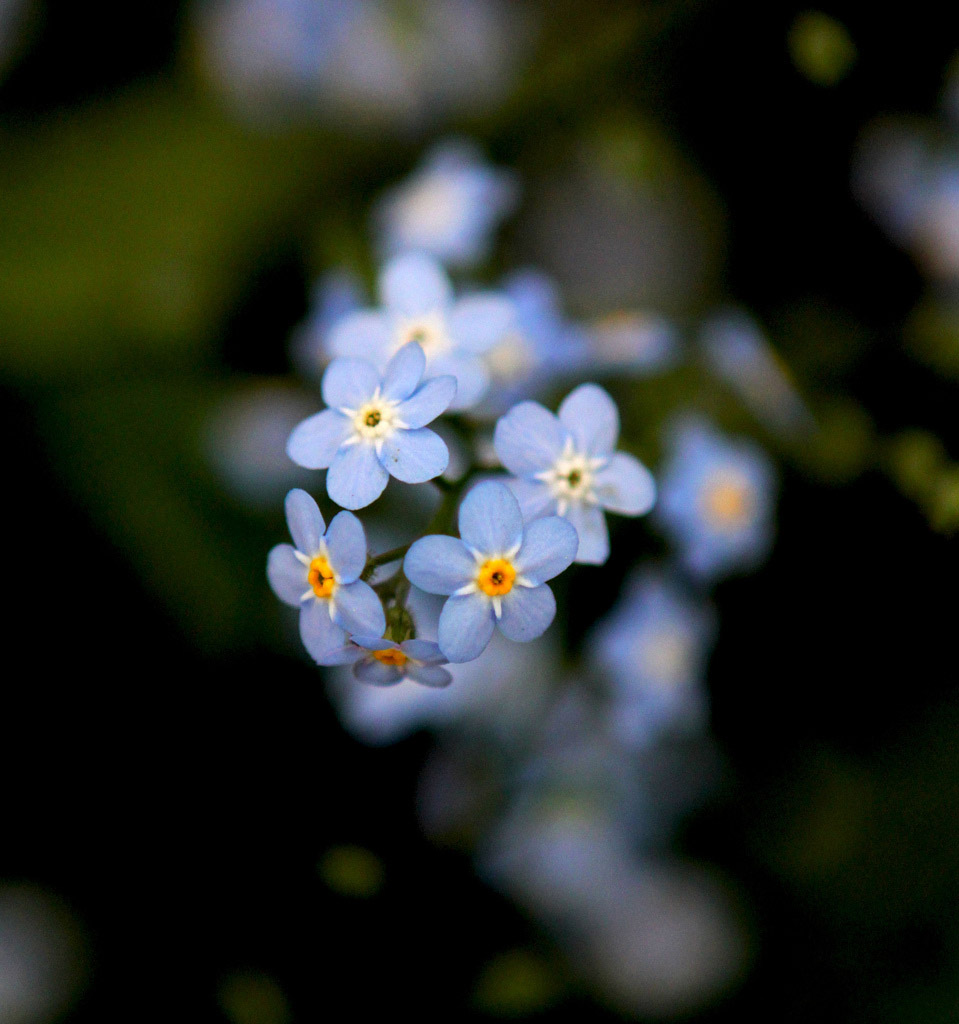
(653,647)
(496,575)
(449,208)
(737,352)
(389,662)
(320,575)
(375,427)
(716,500)
(633,342)
(419,305)
(335,296)
(566,465)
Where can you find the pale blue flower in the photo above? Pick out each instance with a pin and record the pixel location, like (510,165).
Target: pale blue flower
(375,427)
(566,465)
(336,295)
(653,647)
(632,341)
(320,575)
(716,500)
(419,305)
(496,575)
(448,208)
(388,662)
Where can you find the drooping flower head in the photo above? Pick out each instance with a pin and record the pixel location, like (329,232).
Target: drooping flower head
(448,208)
(716,500)
(418,305)
(653,648)
(389,662)
(375,427)
(495,575)
(566,465)
(320,575)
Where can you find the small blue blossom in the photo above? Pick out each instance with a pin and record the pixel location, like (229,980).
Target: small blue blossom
(375,427)
(653,647)
(635,342)
(336,295)
(496,575)
(320,575)
(716,500)
(448,208)
(389,662)
(566,465)
(418,305)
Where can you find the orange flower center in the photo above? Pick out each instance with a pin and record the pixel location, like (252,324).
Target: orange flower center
(321,577)
(728,502)
(391,656)
(496,577)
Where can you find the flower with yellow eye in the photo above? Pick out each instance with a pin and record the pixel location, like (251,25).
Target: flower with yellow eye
(320,574)
(385,662)
(418,304)
(566,465)
(495,576)
(716,500)
(375,427)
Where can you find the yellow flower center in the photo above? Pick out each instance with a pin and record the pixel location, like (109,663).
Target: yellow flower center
(321,577)
(496,577)
(429,332)
(728,502)
(391,656)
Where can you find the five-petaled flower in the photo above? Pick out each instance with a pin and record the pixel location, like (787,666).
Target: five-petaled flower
(419,305)
(495,575)
(320,575)
(388,662)
(566,465)
(375,427)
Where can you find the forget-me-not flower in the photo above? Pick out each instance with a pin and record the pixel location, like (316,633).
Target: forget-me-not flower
(495,575)
(653,646)
(375,427)
(335,295)
(716,500)
(448,208)
(566,465)
(418,305)
(389,662)
(320,574)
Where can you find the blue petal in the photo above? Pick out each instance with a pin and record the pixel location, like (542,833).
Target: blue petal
(346,543)
(316,440)
(356,477)
(534,497)
(489,518)
(348,383)
(320,635)
(528,439)
(466,625)
(428,675)
(414,284)
(470,373)
(305,521)
(428,402)
(403,372)
(590,523)
(478,322)
(426,651)
(414,456)
(527,613)
(358,610)
(343,655)
(625,485)
(374,643)
(369,670)
(439,565)
(549,547)
(287,575)
(591,416)
(367,334)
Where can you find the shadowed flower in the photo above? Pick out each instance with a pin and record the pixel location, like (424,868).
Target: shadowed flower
(419,305)
(566,465)
(320,575)
(389,662)
(496,575)
(375,427)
